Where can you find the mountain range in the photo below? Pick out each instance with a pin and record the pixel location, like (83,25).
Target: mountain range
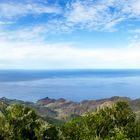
(57,111)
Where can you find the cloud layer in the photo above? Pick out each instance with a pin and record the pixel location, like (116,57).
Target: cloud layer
(42,55)
(9,10)
(24,27)
(89,14)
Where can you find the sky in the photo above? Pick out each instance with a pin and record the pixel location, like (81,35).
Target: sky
(69,34)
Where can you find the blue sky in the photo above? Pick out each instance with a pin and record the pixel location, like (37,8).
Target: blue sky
(63,34)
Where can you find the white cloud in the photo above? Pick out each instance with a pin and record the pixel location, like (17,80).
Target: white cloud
(102,14)
(135,31)
(35,32)
(93,15)
(14,9)
(135,8)
(26,47)
(65,55)
(89,14)
(5,22)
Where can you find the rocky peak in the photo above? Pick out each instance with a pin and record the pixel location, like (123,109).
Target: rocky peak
(45,101)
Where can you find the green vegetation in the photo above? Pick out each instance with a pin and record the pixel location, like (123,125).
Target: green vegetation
(117,122)
(18,122)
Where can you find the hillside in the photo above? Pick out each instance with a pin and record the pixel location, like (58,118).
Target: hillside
(60,110)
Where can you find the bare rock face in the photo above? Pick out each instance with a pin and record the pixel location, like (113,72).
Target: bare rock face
(67,108)
(45,101)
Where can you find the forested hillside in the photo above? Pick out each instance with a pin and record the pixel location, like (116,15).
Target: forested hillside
(115,122)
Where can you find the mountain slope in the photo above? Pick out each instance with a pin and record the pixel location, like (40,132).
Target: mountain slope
(60,110)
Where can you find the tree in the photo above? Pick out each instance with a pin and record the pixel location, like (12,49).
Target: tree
(18,122)
(23,122)
(116,122)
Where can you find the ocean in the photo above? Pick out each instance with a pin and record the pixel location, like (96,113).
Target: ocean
(75,85)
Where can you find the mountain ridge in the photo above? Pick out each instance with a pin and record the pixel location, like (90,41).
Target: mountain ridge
(60,110)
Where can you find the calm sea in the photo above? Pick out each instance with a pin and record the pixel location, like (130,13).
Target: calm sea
(76,85)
